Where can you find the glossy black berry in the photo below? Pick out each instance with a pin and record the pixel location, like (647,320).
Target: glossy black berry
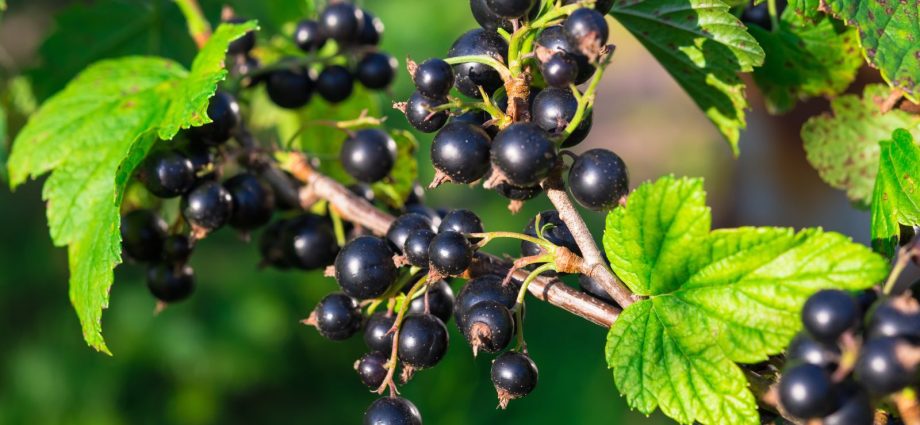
(805,349)
(907,234)
(806,391)
(337,317)
(423,341)
(434,78)
(450,253)
(440,301)
(371,31)
(554,108)
(368,155)
(760,14)
(587,30)
(461,151)
(290,88)
(523,153)
(404,226)
(177,249)
(416,247)
(224,112)
(253,201)
(602,6)
(371,368)
(510,8)
(244,44)
(310,242)
(462,221)
(272,246)
(483,288)
(470,76)
(342,22)
(335,83)
(855,408)
(426,211)
(392,411)
(170,283)
(167,174)
(142,235)
(898,316)
(514,376)
(516,193)
(376,70)
(594,289)
(598,179)
(309,36)
(202,157)
(208,206)
(377,334)
(886,365)
(557,233)
(560,70)
(419,113)
(362,190)
(364,267)
(554,39)
(488,326)
(491,21)
(828,313)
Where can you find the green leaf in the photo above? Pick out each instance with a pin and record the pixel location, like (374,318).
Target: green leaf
(896,198)
(714,298)
(805,58)
(888,31)
(703,46)
(395,189)
(4,146)
(91,136)
(843,146)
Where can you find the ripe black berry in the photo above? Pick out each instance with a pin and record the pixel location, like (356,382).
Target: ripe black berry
(423,341)
(362,190)
(177,249)
(470,76)
(462,221)
(404,226)
(335,83)
(554,39)
(371,31)
(224,112)
(598,179)
(829,313)
(290,88)
(253,201)
(202,157)
(245,43)
(559,70)
(364,267)
(440,301)
(369,155)
(516,193)
(376,70)
(450,253)
(602,6)
(510,8)
(587,30)
(342,22)
(491,21)
(392,411)
(806,391)
(419,113)
(483,288)
(272,245)
(898,316)
(416,247)
(557,234)
(554,108)
(310,242)
(886,365)
(377,334)
(337,316)
(168,174)
(855,408)
(170,283)
(309,36)
(432,214)
(805,349)
(371,368)
(523,153)
(434,78)
(594,289)
(488,326)
(757,15)
(208,206)
(514,376)
(461,151)
(142,235)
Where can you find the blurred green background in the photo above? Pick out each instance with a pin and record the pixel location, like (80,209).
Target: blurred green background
(236,354)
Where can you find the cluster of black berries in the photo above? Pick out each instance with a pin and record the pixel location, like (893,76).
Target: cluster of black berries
(855,350)
(291,82)
(517,145)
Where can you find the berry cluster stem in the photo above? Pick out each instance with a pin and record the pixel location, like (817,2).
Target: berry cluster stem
(198,26)
(905,254)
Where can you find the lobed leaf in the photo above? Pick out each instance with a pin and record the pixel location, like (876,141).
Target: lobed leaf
(896,198)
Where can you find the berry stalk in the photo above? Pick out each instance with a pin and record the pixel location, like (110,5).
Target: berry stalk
(198,26)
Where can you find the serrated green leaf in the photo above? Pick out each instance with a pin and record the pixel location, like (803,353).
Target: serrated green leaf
(843,146)
(91,136)
(896,197)
(888,31)
(395,189)
(703,46)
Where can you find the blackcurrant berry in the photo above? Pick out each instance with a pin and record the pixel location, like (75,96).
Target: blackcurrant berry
(554,108)
(377,334)
(554,39)
(559,70)
(462,221)
(177,249)
(392,411)
(492,21)
(416,247)
(475,117)
(598,179)
(423,341)
(364,267)
(342,22)
(510,8)
(488,326)
(594,289)
(483,288)
(309,36)
(855,408)
(404,226)
(907,234)
(514,376)
(376,70)
(828,314)
(440,301)
(461,151)
(202,157)
(142,235)
(368,155)
(602,6)
(557,234)
(371,368)
(253,201)
(806,391)
(419,113)
(272,245)
(886,365)
(470,76)
(244,44)
(898,316)
(290,88)
(208,206)
(516,193)
(310,242)
(450,253)
(224,112)
(587,29)
(416,195)
(371,31)
(805,349)
(337,317)
(362,190)
(523,153)
(760,15)
(428,212)
(335,83)
(168,174)
(170,283)
(434,78)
